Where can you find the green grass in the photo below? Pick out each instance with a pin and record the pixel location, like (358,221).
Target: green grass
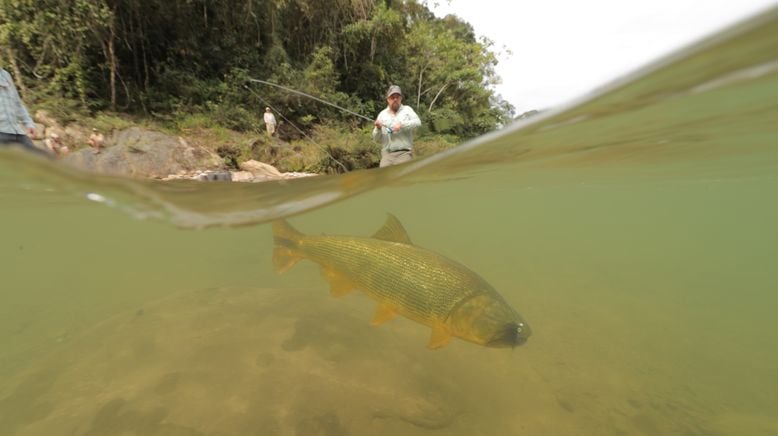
(106,122)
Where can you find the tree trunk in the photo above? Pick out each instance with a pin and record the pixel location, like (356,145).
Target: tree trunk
(146,74)
(109,53)
(17,73)
(436,97)
(418,89)
(372,47)
(112,61)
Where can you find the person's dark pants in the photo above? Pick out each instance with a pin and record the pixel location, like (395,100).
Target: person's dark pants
(8,139)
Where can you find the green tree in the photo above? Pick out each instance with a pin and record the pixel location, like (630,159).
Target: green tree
(160,57)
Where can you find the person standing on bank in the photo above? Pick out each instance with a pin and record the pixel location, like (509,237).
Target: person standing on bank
(96,141)
(12,114)
(394,129)
(270,122)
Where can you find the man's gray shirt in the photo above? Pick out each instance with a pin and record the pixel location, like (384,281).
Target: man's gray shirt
(402,140)
(12,110)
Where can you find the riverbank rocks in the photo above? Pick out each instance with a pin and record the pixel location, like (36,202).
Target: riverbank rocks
(141,152)
(260,170)
(264,175)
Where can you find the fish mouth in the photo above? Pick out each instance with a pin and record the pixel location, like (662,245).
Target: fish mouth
(520,340)
(508,336)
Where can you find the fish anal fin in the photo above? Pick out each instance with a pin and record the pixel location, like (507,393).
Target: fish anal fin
(339,284)
(383,313)
(284,258)
(393,231)
(440,337)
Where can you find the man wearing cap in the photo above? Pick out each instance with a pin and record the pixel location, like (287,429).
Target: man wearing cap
(394,129)
(12,114)
(270,122)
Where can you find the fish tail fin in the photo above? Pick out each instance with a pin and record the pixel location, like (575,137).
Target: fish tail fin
(286,237)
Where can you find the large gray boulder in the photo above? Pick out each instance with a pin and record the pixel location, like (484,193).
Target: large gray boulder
(145,153)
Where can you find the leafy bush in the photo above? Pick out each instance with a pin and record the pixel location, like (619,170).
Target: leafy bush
(230,154)
(65,110)
(233,116)
(106,122)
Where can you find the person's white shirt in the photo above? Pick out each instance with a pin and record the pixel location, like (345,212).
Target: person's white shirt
(402,140)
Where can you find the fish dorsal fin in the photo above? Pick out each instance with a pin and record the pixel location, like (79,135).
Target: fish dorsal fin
(393,231)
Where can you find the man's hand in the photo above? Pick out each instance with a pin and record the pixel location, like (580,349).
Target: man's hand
(396,127)
(31,131)
(378,124)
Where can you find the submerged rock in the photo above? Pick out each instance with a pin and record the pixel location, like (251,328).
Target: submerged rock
(235,176)
(232,362)
(215,176)
(239,361)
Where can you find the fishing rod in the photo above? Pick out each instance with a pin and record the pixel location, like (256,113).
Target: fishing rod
(345,170)
(294,91)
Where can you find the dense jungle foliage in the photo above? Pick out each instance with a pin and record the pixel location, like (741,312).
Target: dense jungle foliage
(167,58)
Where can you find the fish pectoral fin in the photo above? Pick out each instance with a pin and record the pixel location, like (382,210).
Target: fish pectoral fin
(284,258)
(339,284)
(440,337)
(393,231)
(383,313)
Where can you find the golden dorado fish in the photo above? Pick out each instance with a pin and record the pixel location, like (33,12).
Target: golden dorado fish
(407,280)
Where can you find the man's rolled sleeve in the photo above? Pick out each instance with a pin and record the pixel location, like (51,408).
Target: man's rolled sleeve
(21,112)
(410,119)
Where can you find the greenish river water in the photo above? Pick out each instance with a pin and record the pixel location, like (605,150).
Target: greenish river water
(635,230)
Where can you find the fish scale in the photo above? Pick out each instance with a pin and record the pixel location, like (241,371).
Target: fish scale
(418,281)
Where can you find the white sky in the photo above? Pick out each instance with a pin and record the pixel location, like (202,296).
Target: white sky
(564,49)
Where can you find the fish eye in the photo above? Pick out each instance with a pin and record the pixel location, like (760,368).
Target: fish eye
(519,327)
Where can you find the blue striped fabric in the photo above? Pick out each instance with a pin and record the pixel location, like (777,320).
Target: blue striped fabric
(12,110)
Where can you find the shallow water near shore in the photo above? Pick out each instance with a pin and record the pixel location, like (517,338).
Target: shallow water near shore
(635,231)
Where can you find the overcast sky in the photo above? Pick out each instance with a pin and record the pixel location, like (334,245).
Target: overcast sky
(564,49)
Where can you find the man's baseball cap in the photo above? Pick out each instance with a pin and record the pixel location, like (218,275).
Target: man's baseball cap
(394,89)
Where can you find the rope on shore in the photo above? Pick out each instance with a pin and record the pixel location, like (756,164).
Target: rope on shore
(323,149)
(294,91)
